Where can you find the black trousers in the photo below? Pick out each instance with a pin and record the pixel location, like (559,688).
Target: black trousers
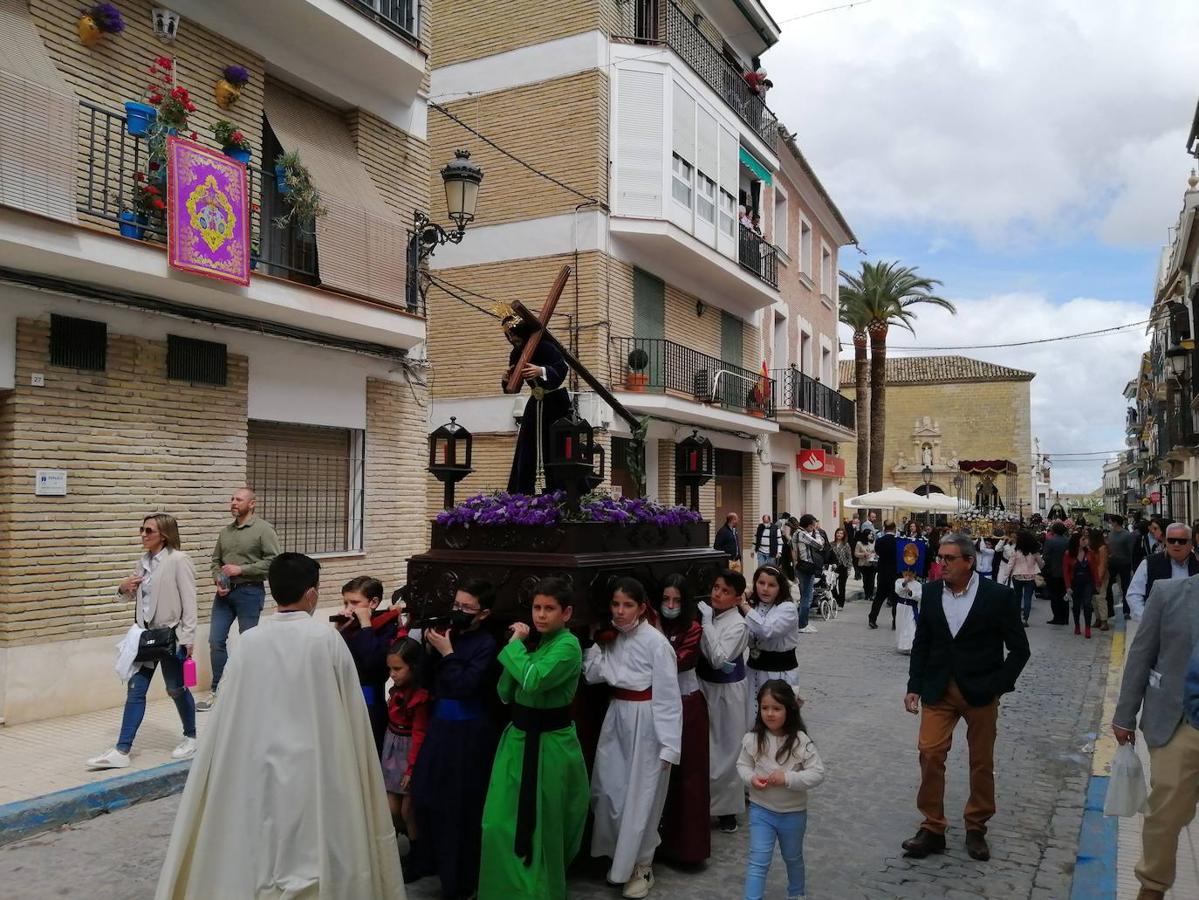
(1121,571)
(885,592)
(868,573)
(1056,588)
(839,587)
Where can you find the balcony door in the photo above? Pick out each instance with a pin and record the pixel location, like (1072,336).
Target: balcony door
(649,325)
(733,388)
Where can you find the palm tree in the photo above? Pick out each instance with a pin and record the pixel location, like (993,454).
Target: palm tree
(886,293)
(853,314)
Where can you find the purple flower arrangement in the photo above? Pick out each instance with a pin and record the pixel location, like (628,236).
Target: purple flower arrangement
(238,76)
(107,17)
(502,508)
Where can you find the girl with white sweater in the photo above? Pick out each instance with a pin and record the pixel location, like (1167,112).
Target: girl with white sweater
(779,764)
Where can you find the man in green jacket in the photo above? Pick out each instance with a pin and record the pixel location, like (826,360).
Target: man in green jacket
(240,560)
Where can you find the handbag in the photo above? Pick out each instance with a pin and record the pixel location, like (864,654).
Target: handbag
(156,644)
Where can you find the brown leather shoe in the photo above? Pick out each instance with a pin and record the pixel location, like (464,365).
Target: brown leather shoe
(1150,894)
(924,843)
(976,846)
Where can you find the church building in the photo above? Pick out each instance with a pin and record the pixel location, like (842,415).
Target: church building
(943,410)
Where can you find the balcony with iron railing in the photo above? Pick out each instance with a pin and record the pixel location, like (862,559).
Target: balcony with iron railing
(655,365)
(802,393)
(110,162)
(757,255)
(665,23)
(401,17)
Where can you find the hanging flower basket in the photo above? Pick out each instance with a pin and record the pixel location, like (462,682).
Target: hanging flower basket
(229,85)
(139,118)
(97,21)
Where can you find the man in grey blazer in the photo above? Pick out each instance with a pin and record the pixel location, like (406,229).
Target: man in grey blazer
(1154,677)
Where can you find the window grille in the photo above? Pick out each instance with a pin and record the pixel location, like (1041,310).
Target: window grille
(78,343)
(310,483)
(200,362)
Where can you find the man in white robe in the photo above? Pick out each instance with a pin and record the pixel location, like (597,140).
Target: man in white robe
(722,678)
(285,798)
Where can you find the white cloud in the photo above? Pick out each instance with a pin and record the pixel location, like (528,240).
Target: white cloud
(1015,121)
(1076,396)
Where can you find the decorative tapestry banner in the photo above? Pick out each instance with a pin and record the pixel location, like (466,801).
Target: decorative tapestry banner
(208,209)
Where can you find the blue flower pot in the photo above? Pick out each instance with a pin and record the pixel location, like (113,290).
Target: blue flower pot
(133,225)
(281,181)
(139,117)
(242,156)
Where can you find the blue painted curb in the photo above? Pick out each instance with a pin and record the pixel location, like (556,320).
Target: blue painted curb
(1095,868)
(28,817)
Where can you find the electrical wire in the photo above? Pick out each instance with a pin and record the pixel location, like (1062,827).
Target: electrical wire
(448,290)
(516,159)
(1065,337)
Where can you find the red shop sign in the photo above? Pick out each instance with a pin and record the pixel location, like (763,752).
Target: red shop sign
(820,464)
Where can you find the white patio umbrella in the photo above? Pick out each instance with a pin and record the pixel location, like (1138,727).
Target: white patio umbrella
(940,503)
(887,498)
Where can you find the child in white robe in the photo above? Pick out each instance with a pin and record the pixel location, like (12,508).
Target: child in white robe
(640,740)
(721,671)
(773,622)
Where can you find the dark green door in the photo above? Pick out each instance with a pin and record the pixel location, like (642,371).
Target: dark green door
(649,327)
(733,389)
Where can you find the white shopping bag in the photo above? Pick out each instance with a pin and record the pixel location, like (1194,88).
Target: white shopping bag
(1126,791)
(905,628)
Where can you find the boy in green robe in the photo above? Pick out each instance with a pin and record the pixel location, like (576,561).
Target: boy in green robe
(539,793)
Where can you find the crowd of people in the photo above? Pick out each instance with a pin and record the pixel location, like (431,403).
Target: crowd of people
(483,754)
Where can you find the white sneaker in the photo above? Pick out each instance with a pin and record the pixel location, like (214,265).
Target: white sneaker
(185,750)
(207,703)
(113,759)
(638,886)
(808,629)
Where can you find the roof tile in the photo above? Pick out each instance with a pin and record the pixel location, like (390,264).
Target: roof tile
(939,369)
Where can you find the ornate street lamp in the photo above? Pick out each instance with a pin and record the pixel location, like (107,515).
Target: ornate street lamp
(461,178)
(959,485)
(693,466)
(449,456)
(927,472)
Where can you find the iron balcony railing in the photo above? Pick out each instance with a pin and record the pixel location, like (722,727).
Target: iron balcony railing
(109,169)
(758,255)
(664,22)
(659,366)
(805,394)
(399,16)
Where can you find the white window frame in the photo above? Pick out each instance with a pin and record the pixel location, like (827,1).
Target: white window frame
(781,231)
(805,247)
(705,196)
(729,215)
(828,292)
(682,176)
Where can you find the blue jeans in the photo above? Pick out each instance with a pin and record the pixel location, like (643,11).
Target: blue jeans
(1026,589)
(765,559)
(243,602)
(765,827)
(805,581)
(135,700)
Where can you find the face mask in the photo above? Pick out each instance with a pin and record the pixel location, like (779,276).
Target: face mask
(625,629)
(671,612)
(461,620)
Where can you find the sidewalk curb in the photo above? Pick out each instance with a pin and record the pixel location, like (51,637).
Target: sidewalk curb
(1095,866)
(29,817)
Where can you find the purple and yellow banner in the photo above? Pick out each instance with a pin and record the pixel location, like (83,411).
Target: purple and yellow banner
(208,211)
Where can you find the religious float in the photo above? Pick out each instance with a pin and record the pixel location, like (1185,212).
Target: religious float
(992,483)
(550,521)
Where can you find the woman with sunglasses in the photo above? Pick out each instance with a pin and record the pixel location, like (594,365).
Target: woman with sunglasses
(163,590)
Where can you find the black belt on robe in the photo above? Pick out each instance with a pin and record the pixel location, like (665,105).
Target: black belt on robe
(772,660)
(534,723)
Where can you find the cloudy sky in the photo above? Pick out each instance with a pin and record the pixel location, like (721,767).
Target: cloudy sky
(1030,154)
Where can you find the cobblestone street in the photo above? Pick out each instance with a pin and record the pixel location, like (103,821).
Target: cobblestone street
(853,682)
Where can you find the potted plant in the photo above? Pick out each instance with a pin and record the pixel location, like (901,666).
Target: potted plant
(98,20)
(636,379)
(229,85)
(172,102)
(147,201)
(139,118)
(300,195)
(232,140)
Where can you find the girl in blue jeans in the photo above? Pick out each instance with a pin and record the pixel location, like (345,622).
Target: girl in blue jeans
(778,764)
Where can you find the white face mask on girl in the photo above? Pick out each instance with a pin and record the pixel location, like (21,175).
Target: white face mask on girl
(625,629)
(671,612)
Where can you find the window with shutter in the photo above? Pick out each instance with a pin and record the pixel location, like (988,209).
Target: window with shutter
(639,143)
(78,343)
(199,362)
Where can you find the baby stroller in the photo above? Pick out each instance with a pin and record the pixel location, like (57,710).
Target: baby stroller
(822,596)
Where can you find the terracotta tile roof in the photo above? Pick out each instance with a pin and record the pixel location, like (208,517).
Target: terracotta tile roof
(939,369)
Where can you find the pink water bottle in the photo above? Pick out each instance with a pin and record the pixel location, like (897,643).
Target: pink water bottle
(189,672)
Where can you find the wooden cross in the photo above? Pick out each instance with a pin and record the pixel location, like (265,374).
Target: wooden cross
(541,325)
